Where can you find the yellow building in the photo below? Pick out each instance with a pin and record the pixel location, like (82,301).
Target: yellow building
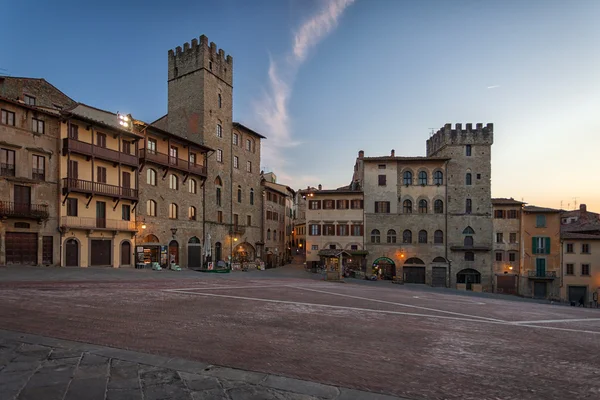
(540,253)
(581,267)
(99,188)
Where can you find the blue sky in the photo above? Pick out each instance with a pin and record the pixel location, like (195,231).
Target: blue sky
(324,79)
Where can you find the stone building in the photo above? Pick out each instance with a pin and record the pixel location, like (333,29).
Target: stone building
(34,92)
(200,109)
(569,217)
(276,220)
(299,216)
(29,158)
(540,257)
(507,244)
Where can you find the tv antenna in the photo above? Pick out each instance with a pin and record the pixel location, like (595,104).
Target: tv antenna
(575,200)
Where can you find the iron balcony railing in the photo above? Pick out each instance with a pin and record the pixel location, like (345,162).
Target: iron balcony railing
(83,186)
(173,162)
(539,274)
(7,169)
(89,149)
(97,223)
(39,174)
(20,210)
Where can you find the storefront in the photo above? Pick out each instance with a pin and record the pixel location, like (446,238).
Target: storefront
(151,251)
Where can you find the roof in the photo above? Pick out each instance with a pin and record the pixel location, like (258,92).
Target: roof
(417,158)
(507,202)
(578,235)
(176,137)
(581,226)
(336,191)
(46,110)
(279,188)
(97,116)
(240,126)
(536,209)
(162,122)
(5,77)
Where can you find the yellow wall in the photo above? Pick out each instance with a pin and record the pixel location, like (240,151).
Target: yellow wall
(85,135)
(552,230)
(577,258)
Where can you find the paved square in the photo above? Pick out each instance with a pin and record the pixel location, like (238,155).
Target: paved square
(413,342)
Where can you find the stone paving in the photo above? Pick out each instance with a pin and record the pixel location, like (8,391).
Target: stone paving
(38,368)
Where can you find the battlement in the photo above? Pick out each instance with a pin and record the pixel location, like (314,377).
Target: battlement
(458,136)
(199,54)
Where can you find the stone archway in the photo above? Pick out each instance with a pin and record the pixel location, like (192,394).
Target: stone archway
(244,252)
(468,277)
(414,271)
(384,267)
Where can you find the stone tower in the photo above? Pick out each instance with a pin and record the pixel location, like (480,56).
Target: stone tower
(468,202)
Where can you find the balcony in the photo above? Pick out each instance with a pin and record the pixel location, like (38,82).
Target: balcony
(97,224)
(7,169)
(547,275)
(8,209)
(172,162)
(97,188)
(91,150)
(238,229)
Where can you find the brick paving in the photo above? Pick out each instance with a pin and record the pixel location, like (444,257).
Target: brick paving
(383,338)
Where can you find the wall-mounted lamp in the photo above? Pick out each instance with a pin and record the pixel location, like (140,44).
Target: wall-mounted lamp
(143,226)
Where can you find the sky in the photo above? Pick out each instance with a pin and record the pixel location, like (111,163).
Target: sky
(323,79)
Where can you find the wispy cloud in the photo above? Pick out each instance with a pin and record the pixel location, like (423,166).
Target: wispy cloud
(272,107)
(493,86)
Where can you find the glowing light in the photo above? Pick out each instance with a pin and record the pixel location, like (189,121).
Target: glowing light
(143,226)
(235,239)
(510,268)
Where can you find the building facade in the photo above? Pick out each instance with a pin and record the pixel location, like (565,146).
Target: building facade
(507,244)
(276,220)
(581,268)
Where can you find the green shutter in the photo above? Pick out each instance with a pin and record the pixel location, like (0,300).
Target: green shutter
(547,245)
(534,245)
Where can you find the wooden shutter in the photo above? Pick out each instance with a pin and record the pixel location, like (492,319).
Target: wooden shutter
(547,245)
(534,247)
(337,229)
(126,183)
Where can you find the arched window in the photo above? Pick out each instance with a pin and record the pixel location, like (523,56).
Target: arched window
(268,234)
(468,179)
(423,206)
(192,213)
(438,237)
(438,207)
(151,208)
(469,206)
(407,205)
(375,238)
(251,196)
(423,178)
(151,177)
(174,182)
(239,194)
(438,178)
(422,236)
(468,231)
(173,211)
(407,178)
(150,239)
(407,236)
(218,181)
(391,236)
(192,186)
(468,241)
(469,256)
(219,130)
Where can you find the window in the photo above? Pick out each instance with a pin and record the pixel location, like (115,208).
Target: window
(382,207)
(101,175)
(220,100)
(381,166)
(422,178)
(152,146)
(192,158)
(151,177)
(251,197)
(468,150)
(498,256)
(219,155)
(407,178)
(314,204)
(126,212)
(422,236)
(328,205)
(512,237)
(423,206)
(438,178)
(570,269)
(469,256)
(328,230)
(407,207)
(512,256)
(151,208)
(173,211)
(356,204)
(220,217)
(219,131)
(585,248)
(357,230)
(375,238)
(468,180)
(541,245)
(438,207)
(37,125)
(236,162)
(29,100)
(499,214)
(570,248)
(218,199)
(540,221)
(71,207)
(513,214)
(239,194)
(192,213)
(585,269)
(126,147)
(478,176)
(8,117)
(249,220)
(391,236)
(468,242)
(192,186)
(268,234)
(342,230)
(381,180)
(248,144)
(100,139)
(469,206)
(499,237)
(314,230)
(314,247)
(236,139)
(468,231)
(38,169)
(341,204)
(438,237)
(248,166)
(173,182)
(407,236)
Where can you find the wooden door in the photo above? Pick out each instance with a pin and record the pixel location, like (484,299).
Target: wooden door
(100,214)
(22,199)
(21,248)
(100,253)
(126,184)
(125,253)
(71,253)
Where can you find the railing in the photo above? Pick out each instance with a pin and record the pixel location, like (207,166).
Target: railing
(36,211)
(89,149)
(38,174)
(238,229)
(97,223)
(80,185)
(170,161)
(536,274)
(7,169)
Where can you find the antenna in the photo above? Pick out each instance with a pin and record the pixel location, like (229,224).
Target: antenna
(561,203)
(575,200)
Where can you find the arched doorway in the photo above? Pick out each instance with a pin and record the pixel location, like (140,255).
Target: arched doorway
(414,270)
(72,253)
(151,250)
(244,252)
(194,253)
(438,272)
(218,251)
(469,277)
(125,253)
(384,267)
(173,252)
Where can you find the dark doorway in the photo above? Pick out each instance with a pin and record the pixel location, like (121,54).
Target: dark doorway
(101,254)
(194,253)
(438,276)
(125,253)
(71,253)
(506,284)
(173,252)
(539,290)
(21,248)
(100,214)
(218,252)
(414,274)
(47,250)
(469,277)
(576,293)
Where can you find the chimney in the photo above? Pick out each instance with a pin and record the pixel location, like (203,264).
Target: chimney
(582,208)
(393,153)
(361,154)
(320,187)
